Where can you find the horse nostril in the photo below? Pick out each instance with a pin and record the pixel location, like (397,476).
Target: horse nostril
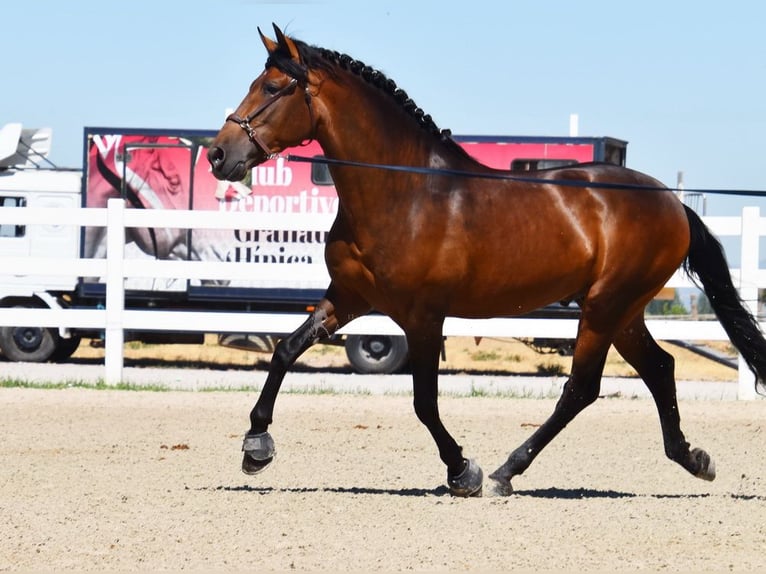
(216,156)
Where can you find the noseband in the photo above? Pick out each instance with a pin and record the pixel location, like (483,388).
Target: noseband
(253,136)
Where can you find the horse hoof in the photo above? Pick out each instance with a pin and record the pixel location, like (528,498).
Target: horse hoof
(259,452)
(467,483)
(500,486)
(706,464)
(252,466)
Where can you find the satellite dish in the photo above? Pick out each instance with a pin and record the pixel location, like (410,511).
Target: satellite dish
(24,148)
(10,134)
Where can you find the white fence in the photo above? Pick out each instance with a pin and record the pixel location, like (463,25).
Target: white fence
(115,319)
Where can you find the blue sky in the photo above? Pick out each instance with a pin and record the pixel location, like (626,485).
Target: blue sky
(684,82)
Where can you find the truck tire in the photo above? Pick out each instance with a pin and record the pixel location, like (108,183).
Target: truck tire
(28,344)
(377,354)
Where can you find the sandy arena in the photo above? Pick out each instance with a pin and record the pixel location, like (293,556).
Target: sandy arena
(110,480)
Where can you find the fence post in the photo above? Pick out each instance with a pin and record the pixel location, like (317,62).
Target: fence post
(115,291)
(748,289)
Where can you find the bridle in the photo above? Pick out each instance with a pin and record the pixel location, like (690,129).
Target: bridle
(253,136)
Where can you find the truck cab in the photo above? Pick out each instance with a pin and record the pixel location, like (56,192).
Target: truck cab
(27,181)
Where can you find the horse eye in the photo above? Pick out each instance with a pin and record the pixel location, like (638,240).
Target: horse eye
(270,89)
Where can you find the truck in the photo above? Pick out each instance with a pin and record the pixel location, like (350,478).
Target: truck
(168,169)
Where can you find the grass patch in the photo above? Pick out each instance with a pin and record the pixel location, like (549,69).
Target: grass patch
(324,350)
(478,392)
(493,355)
(485,356)
(99,385)
(473,392)
(550,369)
(490,393)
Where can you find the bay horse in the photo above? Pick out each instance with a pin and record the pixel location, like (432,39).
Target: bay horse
(443,235)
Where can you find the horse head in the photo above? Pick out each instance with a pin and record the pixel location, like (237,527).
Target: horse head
(275,114)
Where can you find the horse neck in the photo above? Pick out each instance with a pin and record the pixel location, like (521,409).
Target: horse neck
(362,124)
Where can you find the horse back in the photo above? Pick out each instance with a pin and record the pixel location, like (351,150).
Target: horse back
(537,243)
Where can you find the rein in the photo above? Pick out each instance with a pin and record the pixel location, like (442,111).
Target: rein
(518,178)
(256,140)
(252,135)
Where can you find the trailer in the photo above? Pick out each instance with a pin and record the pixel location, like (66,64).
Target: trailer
(168,169)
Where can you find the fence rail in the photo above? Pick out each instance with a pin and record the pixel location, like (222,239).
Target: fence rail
(115,319)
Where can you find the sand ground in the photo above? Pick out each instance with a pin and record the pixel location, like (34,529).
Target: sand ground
(118,480)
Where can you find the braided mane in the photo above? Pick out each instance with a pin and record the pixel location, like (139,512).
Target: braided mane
(316,58)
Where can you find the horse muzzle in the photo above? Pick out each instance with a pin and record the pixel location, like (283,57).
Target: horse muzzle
(226,167)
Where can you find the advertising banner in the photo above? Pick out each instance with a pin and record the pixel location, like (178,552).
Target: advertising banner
(152,169)
(171,171)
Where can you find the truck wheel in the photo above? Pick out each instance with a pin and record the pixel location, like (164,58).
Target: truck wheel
(28,344)
(377,354)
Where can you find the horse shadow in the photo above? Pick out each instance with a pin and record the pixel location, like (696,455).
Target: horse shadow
(406,492)
(551,493)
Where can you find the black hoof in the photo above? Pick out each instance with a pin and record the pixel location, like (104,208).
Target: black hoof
(252,466)
(259,452)
(467,483)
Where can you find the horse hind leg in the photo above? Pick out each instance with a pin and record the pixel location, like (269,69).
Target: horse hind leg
(656,367)
(580,390)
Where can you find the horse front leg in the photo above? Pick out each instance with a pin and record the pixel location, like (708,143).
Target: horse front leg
(331,313)
(464,477)
(258,446)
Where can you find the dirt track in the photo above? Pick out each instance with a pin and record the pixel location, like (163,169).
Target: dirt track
(97,480)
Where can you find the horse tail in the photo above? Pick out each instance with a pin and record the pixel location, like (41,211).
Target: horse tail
(707,262)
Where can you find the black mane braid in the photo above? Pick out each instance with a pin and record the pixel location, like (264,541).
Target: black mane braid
(315,58)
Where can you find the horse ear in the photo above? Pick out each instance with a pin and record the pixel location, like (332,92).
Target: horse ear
(287,44)
(270,44)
